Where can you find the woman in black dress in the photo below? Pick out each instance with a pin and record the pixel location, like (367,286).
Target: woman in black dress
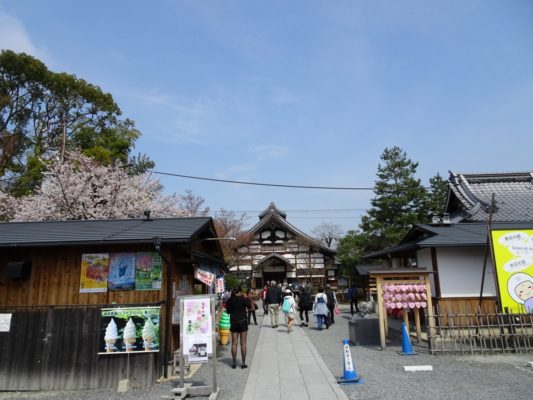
(236,307)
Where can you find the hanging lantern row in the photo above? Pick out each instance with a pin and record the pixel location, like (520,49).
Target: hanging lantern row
(404,296)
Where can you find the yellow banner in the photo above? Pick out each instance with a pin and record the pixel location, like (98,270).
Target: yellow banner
(513,252)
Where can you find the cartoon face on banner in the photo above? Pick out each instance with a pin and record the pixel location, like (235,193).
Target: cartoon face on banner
(513,253)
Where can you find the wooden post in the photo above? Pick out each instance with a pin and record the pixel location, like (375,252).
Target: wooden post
(416,311)
(381,312)
(405,313)
(431,322)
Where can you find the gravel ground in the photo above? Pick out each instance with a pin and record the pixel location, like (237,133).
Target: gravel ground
(453,377)
(459,377)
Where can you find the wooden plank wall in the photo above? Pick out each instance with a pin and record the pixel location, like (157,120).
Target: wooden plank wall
(55,279)
(57,348)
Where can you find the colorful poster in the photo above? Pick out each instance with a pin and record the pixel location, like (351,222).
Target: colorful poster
(197,328)
(94,270)
(121,271)
(148,275)
(203,276)
(219,284)
(513,252)
(130,330)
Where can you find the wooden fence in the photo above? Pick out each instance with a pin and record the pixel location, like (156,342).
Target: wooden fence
(479,332)
(49,348)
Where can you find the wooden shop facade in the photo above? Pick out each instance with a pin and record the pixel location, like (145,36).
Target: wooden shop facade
(73,292)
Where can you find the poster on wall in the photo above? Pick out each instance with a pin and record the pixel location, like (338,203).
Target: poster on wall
(204,276)
(94,272)
(148,271)
(513,253)
(5,322)
(121,271)
(197,328)
(130,330)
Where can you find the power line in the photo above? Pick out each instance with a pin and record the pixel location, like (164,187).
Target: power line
(336,210)
(262,184)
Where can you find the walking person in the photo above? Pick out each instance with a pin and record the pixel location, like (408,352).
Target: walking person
(320,309)
(252,298)
(305,303)
(353,296)
(273,299)
(289,309)
(236,307)
(331,303)
(263,295)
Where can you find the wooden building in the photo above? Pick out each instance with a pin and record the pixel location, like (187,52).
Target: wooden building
(51,333)
(455,247)
(279,251)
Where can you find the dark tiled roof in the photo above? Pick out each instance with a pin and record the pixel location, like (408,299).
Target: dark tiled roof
(452,235)
(100,231)
(272,209)
(470,197)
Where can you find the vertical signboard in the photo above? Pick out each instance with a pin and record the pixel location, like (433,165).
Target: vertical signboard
(513,253)
(197,328)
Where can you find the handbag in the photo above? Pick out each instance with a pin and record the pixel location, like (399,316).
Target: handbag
(336,310)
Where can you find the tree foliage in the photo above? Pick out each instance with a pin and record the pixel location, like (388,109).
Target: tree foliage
(42,113)
(79,188)
(328,233)
(436,196)
(400,201)
(230,228)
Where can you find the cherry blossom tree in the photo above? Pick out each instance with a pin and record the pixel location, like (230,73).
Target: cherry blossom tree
(79,188)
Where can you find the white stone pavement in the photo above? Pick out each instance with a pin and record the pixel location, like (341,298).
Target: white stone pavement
(287,366)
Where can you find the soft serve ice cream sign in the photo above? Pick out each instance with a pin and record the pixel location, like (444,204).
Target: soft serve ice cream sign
(130,330)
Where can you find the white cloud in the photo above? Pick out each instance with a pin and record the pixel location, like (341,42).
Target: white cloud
(268,151)
(13,36)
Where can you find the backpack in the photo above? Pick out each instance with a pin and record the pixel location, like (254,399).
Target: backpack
(286,307)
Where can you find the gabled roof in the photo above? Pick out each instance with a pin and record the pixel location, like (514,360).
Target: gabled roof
(272,216)
(67,233)
(421,236)
(470,196)
(273,255)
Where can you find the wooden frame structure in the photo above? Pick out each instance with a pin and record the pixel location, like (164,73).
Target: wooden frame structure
(402,277)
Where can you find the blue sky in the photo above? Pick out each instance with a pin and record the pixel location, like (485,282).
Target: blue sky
(299,92)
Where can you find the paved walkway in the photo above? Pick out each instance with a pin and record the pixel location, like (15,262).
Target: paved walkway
(287,366)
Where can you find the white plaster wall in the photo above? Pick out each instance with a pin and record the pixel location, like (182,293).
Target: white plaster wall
(423,259)
(460,270)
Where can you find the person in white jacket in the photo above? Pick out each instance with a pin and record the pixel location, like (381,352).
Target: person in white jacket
(289,309)
(320,309)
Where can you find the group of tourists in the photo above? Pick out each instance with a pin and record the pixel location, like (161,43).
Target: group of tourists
(275,297)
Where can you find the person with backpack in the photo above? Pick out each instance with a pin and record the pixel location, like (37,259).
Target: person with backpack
(273,299)
(331,303)
(289,309)
(353,297)
(320,309)
(305,303)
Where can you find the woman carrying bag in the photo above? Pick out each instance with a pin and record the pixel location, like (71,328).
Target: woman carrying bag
(320,309)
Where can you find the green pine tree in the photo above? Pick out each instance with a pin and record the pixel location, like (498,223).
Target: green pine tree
(399,201)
